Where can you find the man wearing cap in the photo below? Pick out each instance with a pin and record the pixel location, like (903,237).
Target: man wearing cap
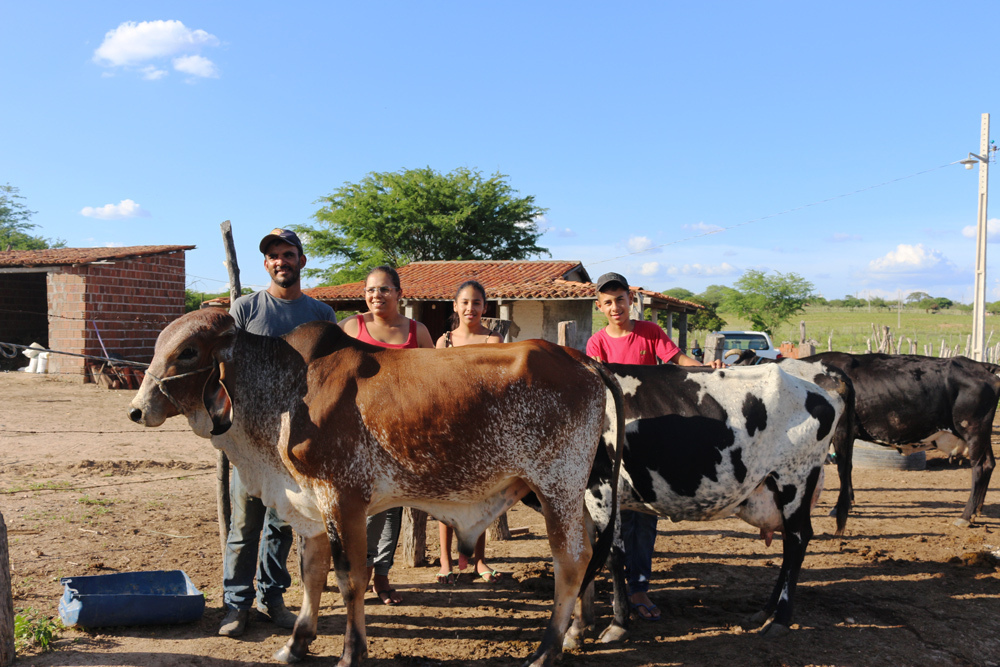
(628,341)
(254,527)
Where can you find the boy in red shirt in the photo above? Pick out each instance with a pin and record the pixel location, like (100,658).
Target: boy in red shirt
(628,341)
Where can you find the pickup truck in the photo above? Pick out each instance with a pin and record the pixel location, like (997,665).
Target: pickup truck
(758,341)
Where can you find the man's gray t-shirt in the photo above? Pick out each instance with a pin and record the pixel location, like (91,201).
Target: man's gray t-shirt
(266,315)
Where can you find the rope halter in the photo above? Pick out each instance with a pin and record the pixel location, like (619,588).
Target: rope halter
(161,382)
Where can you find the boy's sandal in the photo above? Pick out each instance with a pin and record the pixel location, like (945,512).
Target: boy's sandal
(647,613)
(446,578)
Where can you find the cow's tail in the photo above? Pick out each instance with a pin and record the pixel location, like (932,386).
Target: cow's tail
(602,548)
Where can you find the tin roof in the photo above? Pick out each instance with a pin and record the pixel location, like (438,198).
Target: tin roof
(73,256)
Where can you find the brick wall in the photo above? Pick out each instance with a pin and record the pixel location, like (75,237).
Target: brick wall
(129,301)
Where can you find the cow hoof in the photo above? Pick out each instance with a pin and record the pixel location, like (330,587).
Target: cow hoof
(285,655)
(962,523)
(757,619)
(573,643)
(774,631)
(613,634)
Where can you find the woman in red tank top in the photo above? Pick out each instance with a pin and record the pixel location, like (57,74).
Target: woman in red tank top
(385,326)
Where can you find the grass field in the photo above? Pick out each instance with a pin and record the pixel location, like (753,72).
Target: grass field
(852,328)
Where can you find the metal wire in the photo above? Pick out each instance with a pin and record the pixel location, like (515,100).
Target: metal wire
(15,347)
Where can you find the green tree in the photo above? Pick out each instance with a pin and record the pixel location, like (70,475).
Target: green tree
(916,297)
(679,293)
(720,296)
(768,300)
(15,223)
(707,319)
(419,214)
(851,301)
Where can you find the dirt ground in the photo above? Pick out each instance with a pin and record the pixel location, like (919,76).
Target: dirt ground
(85,491)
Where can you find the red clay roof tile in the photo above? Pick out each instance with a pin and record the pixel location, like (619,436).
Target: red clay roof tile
(71,256)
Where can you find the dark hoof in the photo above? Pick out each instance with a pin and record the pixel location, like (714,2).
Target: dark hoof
(756,620)
(285,655)
(774,631)
(613,634)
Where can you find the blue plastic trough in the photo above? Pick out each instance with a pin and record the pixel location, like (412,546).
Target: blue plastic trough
(130,598)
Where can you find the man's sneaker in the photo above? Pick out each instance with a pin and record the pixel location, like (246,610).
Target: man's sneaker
(277,613)
(235,623)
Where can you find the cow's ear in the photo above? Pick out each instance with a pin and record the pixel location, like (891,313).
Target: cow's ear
(222,346)
(217,401)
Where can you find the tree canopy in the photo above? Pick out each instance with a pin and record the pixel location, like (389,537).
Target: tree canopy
(768,300)
(419,214)
(15,223)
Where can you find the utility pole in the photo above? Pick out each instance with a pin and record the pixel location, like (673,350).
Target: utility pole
(979,300)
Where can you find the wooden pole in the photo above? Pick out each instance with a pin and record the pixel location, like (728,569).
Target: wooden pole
(567,333)
(7,652)
(414,530)
(224,505)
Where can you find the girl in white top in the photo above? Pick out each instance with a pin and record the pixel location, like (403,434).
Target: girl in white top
(469,305)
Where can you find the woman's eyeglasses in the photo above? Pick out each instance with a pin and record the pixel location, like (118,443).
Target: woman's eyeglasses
(384,291)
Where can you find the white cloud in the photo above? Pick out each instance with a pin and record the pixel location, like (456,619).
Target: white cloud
(152,73)
(650,268)
(146,46)
(565,232)
(992,230)
(702,227)
(906,259)
(125,209)
(113,244)
(723,269)
(639,243)
(196,66)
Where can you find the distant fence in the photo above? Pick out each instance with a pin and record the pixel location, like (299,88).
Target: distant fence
(884,341)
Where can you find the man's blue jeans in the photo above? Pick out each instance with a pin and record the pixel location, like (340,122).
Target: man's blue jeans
(258,542)
(383,536)
(639,538)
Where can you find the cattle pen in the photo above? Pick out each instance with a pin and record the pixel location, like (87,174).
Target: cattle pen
(85,491)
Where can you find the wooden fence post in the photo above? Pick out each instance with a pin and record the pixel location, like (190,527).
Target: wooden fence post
(7,652)
(714,348)
(414,537)
(567,333)
(802,332)
(224,506)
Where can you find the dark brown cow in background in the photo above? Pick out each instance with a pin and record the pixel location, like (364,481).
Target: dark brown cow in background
(328,430)
(914,403)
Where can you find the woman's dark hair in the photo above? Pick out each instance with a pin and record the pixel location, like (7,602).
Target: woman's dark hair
(474,284)
(387,270)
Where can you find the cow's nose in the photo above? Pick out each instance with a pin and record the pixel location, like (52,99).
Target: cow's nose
(135,414)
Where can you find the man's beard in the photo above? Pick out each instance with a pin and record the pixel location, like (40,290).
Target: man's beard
(285,280)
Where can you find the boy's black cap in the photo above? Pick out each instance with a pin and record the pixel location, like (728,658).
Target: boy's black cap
(610,279)
(283,235)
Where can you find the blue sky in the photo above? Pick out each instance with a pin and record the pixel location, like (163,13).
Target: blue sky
(639,126)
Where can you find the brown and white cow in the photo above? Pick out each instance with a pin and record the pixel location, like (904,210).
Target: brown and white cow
(329,430)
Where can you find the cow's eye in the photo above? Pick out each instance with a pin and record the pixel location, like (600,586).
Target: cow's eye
(187,354)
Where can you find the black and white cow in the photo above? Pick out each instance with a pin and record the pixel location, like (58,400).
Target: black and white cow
(703,444)
(916,403)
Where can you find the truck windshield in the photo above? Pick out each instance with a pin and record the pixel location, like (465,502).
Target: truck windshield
(745,342)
